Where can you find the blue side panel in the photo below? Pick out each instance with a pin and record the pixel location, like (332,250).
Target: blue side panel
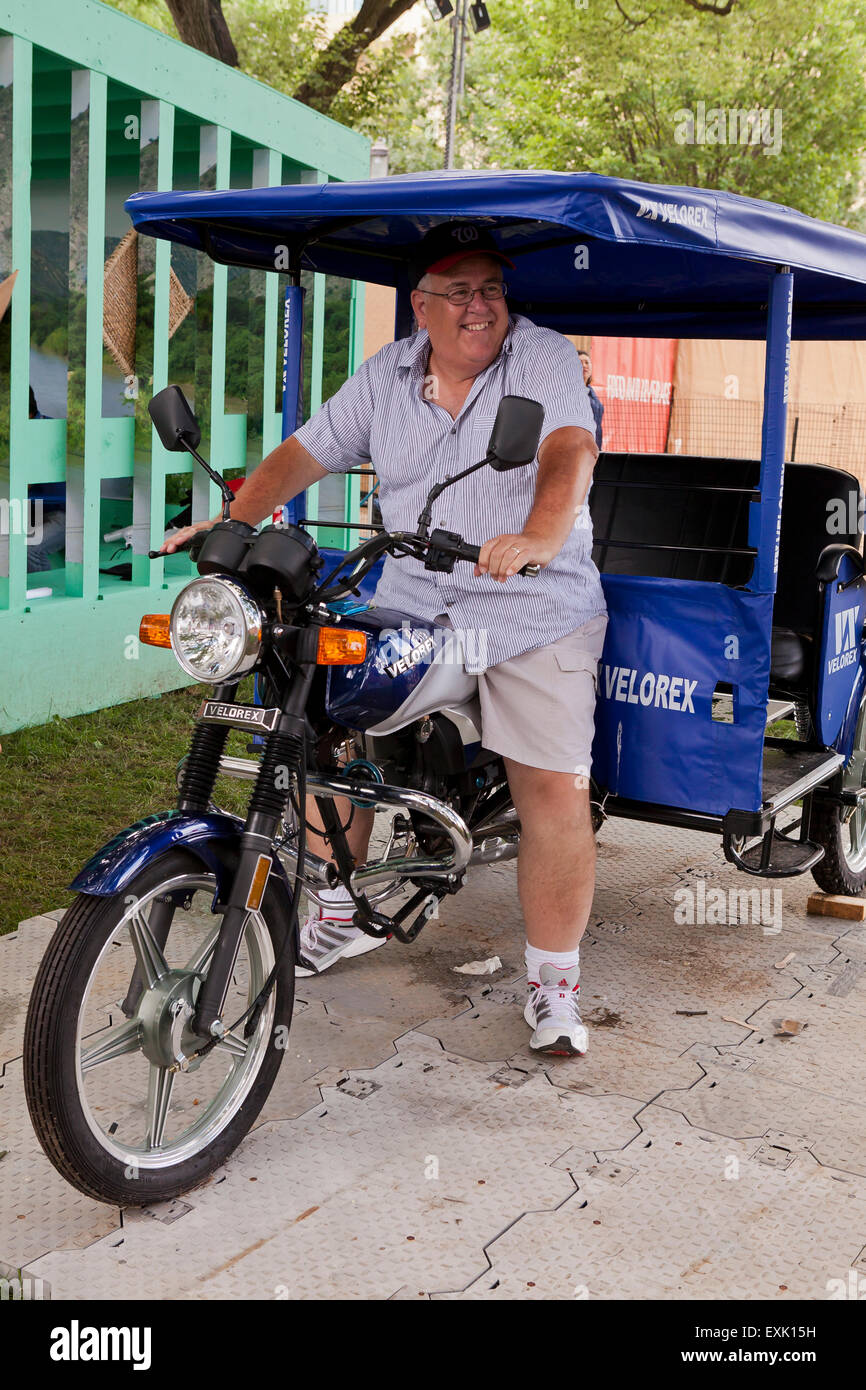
(669,643)
(118,862)
(840,676)
(845,742)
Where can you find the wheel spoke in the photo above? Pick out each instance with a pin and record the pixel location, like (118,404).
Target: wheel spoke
(197,963)
(116,1042)
(233,1044)
(158,1100)
(151,962)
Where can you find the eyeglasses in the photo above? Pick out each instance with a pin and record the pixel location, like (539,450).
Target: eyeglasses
(463,295)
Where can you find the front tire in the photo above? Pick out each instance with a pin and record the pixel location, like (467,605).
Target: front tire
(116,1116)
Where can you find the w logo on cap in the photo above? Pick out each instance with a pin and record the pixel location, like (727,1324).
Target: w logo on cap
(464,234)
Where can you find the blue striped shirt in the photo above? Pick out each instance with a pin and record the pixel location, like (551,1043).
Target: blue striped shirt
(381,414)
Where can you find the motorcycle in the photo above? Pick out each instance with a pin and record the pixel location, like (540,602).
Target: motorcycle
(163,1004)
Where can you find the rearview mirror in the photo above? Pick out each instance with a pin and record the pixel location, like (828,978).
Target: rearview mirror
(515,434)
(175,423)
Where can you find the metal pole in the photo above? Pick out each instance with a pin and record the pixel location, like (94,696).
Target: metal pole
(766,516)
(456,49)
(293,377)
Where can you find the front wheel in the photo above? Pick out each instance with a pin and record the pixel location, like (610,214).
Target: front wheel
(120,1104)
(842,829)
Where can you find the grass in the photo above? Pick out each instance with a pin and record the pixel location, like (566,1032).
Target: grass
(69,785)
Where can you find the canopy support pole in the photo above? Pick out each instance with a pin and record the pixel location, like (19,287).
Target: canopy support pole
(765,521)
(293,374)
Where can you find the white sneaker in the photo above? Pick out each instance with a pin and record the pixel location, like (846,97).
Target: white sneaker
(325,939)
(553,1011)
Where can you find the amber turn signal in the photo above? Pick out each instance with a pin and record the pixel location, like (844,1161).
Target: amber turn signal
(153,629)
(341,647)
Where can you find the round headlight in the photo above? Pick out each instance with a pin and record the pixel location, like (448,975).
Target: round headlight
(215,629)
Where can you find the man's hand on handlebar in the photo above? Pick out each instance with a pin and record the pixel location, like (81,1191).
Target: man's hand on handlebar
(179,540)
(506,555)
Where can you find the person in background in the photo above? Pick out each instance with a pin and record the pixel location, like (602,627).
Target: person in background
(597,407)
(52,531)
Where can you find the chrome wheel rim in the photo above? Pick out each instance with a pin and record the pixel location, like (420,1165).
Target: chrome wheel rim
(146,1114)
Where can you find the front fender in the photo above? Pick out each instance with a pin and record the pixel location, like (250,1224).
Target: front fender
(211,838)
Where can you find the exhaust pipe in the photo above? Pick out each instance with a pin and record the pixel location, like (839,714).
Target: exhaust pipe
(382,798)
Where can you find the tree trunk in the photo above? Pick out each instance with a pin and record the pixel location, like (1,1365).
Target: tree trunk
(337,62)
(202,24)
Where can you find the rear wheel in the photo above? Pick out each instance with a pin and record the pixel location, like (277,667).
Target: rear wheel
(842,829)
(120,1104)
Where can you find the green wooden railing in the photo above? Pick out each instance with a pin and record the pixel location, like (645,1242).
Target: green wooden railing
(94,106)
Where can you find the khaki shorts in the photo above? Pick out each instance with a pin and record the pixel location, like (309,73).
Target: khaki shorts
(539,708)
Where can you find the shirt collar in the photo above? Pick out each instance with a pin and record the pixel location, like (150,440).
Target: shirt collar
(416,348)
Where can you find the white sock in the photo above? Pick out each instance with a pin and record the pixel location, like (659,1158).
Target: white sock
(535,958)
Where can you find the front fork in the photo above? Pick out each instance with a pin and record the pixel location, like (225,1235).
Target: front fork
(200,772)
(283,758)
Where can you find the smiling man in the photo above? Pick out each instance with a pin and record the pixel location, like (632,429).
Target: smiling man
(422,409)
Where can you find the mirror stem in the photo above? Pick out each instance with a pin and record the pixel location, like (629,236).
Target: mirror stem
(426,516)
(227,494)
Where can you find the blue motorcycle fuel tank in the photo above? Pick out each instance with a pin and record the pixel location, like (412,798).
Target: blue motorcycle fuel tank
(413,667)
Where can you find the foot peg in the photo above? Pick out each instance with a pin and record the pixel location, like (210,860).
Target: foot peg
(776,856)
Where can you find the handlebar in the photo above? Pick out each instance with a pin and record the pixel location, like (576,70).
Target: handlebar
(439,552)
(197,540)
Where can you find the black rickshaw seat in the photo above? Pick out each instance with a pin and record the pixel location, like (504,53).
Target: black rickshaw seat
(682,516)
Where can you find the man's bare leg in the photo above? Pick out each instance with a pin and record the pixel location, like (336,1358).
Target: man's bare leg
(357,836)
(555,879)
(556,864)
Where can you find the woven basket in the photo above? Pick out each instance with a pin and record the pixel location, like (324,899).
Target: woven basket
(120,296)
(120,303)
(179,304)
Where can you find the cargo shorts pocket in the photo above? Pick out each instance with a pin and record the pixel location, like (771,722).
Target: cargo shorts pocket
(581,650)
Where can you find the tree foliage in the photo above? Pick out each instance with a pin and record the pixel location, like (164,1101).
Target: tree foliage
(592,88)
(591,84)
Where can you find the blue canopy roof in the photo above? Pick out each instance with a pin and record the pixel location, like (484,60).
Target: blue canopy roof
(592,254)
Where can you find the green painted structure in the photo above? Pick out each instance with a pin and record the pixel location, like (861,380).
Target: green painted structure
(94,106)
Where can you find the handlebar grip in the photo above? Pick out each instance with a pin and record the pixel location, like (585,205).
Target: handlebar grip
(155,554)
(472,552)
(187,545)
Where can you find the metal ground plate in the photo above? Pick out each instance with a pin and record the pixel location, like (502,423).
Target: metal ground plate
(414,1147)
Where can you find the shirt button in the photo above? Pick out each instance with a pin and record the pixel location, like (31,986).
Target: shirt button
(453,429)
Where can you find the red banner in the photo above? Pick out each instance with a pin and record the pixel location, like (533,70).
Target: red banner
(633,379)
